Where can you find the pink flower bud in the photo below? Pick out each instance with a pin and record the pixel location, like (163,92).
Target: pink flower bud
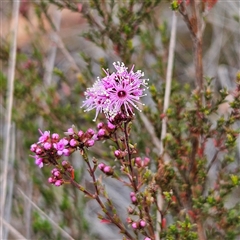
(80,133)
(66,152)
(138,161)
(142,223)
(65,164)
(89,143)
(73,142)
(57,173)
(111,126)
(47,145)
(58,183)
(107,169)
(132,194)
(39,150)
(100,125)
(90,132)
(101,166)
(55,136)
(146,161)
(51,180)
(101,132)
(118,154)
(147,238)
(134,225)
(33,147)
(134,199)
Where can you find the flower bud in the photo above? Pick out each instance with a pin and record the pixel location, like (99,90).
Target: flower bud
(134,225)
(51,180)
(90,132)
(89,143)
(146,161)
(119,154)
(111,126)
(108,170)
(65,164)
(80,133)
(142,223)
(47,145)
(101,132)
(100,125)
(138,161)
(101,166)
(55,136)
(73,142)
(58,183)
(33,147)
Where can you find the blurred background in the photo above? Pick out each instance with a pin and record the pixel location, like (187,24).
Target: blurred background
(61,48)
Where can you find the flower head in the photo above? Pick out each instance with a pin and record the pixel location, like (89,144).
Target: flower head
(117,92)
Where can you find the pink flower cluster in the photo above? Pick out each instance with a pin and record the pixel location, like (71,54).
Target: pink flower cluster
(50,148)
(117,92)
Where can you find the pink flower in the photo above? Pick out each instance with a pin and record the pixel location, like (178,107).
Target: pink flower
(117,92)
(61,146)
(147,238)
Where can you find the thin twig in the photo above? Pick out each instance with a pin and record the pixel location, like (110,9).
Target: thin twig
(64,233)
(11,75)
(165,107)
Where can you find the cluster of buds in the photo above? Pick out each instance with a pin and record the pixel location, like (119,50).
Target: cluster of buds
(105,130)
(79,139)
(139,162)
(122,117)
(46,149)
(56,178)
(50,148)
(139,224)
(106,169)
